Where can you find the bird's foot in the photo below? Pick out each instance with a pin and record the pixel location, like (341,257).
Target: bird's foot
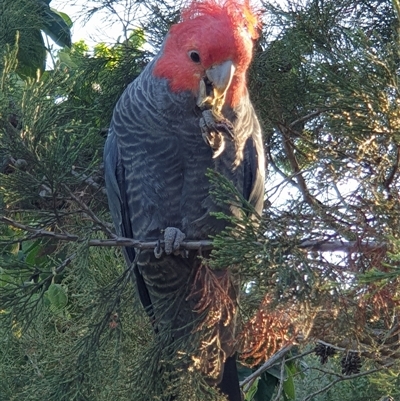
(211,120)
(215,130)
(173,238)
(158,251)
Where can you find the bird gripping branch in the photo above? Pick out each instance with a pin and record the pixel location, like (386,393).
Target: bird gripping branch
(187,112)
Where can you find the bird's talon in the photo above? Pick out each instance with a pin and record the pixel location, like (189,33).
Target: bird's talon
(158,251)
(215,141)
(215,130)
(226,127)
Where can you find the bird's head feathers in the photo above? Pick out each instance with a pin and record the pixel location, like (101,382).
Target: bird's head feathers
(211,32)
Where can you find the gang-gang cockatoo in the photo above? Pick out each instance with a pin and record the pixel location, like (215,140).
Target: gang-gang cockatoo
(189,111)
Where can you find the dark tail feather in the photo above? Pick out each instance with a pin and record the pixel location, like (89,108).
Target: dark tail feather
(229,384)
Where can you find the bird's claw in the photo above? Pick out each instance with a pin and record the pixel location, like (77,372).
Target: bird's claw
(214,129)
(158,251)
(216,122)
(173,238)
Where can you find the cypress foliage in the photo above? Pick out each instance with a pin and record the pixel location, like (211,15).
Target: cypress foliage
(320,264)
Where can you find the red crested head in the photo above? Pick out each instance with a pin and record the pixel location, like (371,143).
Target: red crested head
(210,33)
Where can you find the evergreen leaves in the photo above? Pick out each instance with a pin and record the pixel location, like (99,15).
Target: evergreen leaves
(320,263)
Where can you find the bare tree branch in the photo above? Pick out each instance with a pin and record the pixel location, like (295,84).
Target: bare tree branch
(388,181)
(271,361)
(302,185)
(65,263)
(343,378)
(115,241)
(305,118)
(341,246)
(281,380)
(39,232)
(318,246)
(89,180)
(90,213)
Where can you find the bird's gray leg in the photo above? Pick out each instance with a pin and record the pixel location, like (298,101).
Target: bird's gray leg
(173,238)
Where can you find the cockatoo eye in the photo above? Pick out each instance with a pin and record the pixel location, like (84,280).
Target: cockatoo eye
(194,56)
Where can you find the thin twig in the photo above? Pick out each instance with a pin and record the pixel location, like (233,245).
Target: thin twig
(64,264)
(305,353)
(281,380)
(89,180)
(337,347)
(319,246)
(90,213)
(389,180)
(115,241)
(35,365)
(341,246)
(271,361)
(278,170)
(343,378)
(294,164)
(305,118)
(39,232)
(128,242)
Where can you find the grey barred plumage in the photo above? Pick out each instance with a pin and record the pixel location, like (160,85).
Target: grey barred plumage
(156,161)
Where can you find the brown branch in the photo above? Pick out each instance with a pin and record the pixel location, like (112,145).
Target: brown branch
(39,232)
(343,378)
(319,246)
(342,349)
(305,118)
(277,169)
(381,352)
(115,241)
(281,379)
(65,263)
(89,180)
(342,246)
(90,213)
(128,242)
(389,180)
(302,185)
(271,361)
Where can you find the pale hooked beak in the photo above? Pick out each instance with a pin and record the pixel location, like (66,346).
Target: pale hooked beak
(220,76)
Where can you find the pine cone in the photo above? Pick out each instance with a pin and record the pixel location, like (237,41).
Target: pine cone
(351,363)
(324,352)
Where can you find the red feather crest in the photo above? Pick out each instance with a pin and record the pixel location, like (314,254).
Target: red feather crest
(218,30)
(239,12)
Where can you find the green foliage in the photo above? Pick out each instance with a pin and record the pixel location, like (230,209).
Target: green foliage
(32,51)
(57,25)
(22,22)
(265,387)
(57,297)
(325,84)
(101,78)
(361,388)
(88,337)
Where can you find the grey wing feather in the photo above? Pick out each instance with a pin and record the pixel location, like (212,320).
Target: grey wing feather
(119,209)
(113,171)
(254,173)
